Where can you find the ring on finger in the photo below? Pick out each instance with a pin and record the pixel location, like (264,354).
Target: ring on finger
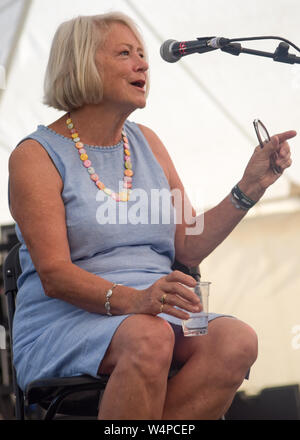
(163,299)
(161,308)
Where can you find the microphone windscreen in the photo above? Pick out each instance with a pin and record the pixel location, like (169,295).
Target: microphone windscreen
(166,52)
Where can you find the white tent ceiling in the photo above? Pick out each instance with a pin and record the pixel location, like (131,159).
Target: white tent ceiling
(202,107)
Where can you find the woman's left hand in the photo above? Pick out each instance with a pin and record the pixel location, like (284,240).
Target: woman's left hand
(259,173)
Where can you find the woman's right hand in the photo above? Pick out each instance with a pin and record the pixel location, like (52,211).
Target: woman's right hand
(171,288)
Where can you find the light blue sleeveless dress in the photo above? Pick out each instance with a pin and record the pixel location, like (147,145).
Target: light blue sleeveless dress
(128,243)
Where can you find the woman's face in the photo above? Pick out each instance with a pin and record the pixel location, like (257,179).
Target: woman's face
(123,68)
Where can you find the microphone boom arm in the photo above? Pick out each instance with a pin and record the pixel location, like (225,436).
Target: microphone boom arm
(281,54)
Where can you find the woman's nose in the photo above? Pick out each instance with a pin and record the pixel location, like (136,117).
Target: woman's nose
(141,65)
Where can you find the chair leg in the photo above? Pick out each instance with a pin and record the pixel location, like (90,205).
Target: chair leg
(53,407)
(20,410)
(19,395)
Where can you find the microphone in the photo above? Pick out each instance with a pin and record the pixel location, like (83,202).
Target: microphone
(172,50)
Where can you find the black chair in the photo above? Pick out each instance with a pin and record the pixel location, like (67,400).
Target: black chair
(76,396)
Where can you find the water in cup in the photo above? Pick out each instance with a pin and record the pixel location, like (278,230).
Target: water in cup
(197,324)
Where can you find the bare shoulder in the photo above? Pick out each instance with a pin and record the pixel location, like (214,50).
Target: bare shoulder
(163,156)
(31,159)
(32,177)
(158,149)
(28,148)
(153,140)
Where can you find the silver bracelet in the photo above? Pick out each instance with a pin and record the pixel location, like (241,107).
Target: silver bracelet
(240,200)
(236,204)
(108,294)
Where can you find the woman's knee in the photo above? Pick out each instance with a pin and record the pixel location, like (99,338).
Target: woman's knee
(146,344)
(239,352)
(246,344)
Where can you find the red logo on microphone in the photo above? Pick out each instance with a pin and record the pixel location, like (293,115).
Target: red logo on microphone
(182,47)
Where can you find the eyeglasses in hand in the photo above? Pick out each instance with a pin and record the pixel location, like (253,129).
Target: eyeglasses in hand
(263,138)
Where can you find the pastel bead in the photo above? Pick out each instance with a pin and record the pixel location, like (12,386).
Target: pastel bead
(95,177)
(128,173)
(124,196)
(87,164)
(100,185)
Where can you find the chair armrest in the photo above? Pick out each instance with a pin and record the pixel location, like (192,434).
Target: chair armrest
(193,271)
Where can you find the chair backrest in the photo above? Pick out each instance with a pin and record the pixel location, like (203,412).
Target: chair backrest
(11,273)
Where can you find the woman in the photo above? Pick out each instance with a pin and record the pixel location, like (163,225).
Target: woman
(97,295)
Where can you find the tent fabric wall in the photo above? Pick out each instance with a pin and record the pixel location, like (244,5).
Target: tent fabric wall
(11,17)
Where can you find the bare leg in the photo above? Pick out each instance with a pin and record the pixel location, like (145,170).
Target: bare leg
(138,361)
(214,367)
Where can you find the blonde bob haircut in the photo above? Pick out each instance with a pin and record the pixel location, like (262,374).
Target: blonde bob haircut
(72,79)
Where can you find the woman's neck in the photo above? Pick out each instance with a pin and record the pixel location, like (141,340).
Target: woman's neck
(98,126)
(95,125)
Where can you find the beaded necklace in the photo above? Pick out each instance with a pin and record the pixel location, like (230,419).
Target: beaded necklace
(122,196)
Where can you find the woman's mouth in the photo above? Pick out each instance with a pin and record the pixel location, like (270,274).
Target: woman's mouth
(140,84)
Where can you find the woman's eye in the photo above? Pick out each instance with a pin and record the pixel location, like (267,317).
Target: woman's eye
(125,52)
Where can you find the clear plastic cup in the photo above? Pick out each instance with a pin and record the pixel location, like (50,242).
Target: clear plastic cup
(197,325)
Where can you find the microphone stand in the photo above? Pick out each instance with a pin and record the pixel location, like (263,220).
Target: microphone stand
(281,54)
